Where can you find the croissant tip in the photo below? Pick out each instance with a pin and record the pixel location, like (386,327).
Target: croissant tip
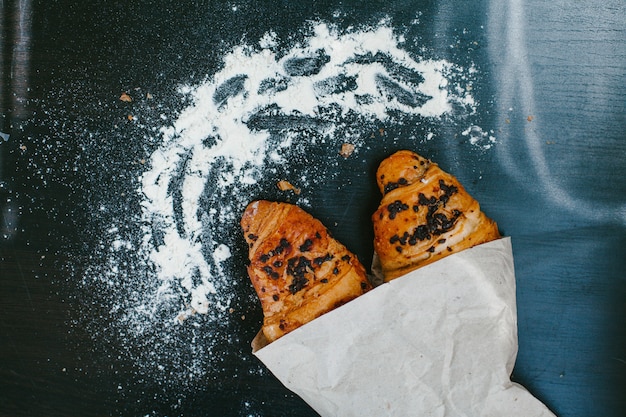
(401,168)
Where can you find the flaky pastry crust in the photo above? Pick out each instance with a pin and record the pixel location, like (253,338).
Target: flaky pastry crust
(298,270)
(425,214)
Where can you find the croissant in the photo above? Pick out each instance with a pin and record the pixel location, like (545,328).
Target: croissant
(298,270)
(425,214)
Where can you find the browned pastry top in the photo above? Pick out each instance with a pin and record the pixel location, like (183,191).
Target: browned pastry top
(297,269)
(425,214)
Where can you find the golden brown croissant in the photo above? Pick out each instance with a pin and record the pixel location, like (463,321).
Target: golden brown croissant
(425,214)
(297,269)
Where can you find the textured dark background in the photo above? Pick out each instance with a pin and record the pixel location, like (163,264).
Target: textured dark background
(551,86)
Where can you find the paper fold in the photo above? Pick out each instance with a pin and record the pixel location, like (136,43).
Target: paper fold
(440,341)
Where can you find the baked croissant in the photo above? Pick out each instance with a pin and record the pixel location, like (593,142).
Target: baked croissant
(297,269)
(425,214)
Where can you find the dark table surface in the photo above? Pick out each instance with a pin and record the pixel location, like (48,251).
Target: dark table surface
(550,88)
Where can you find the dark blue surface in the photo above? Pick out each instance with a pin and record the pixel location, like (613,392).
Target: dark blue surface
(551,85)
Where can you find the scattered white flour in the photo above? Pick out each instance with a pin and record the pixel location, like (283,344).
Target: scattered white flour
(243,125)
(478,137)
(224,136)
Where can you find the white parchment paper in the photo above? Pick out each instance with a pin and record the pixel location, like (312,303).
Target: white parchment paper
(440,341)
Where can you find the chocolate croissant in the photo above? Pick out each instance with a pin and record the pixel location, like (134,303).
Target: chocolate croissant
(298,270)
(425,214)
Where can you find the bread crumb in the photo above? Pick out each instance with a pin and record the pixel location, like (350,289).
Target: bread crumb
(284,185)
(530,118)
(346,150)
(126,98)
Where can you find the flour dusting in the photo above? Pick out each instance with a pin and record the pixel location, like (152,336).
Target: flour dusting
(479,138)
(266,107)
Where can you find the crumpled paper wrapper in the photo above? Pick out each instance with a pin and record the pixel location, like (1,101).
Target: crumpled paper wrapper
(439,341)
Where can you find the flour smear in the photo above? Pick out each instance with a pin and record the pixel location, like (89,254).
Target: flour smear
(244,124)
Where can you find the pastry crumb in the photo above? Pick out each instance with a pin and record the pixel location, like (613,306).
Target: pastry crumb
(126,98)
(284,185)
(346,150)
